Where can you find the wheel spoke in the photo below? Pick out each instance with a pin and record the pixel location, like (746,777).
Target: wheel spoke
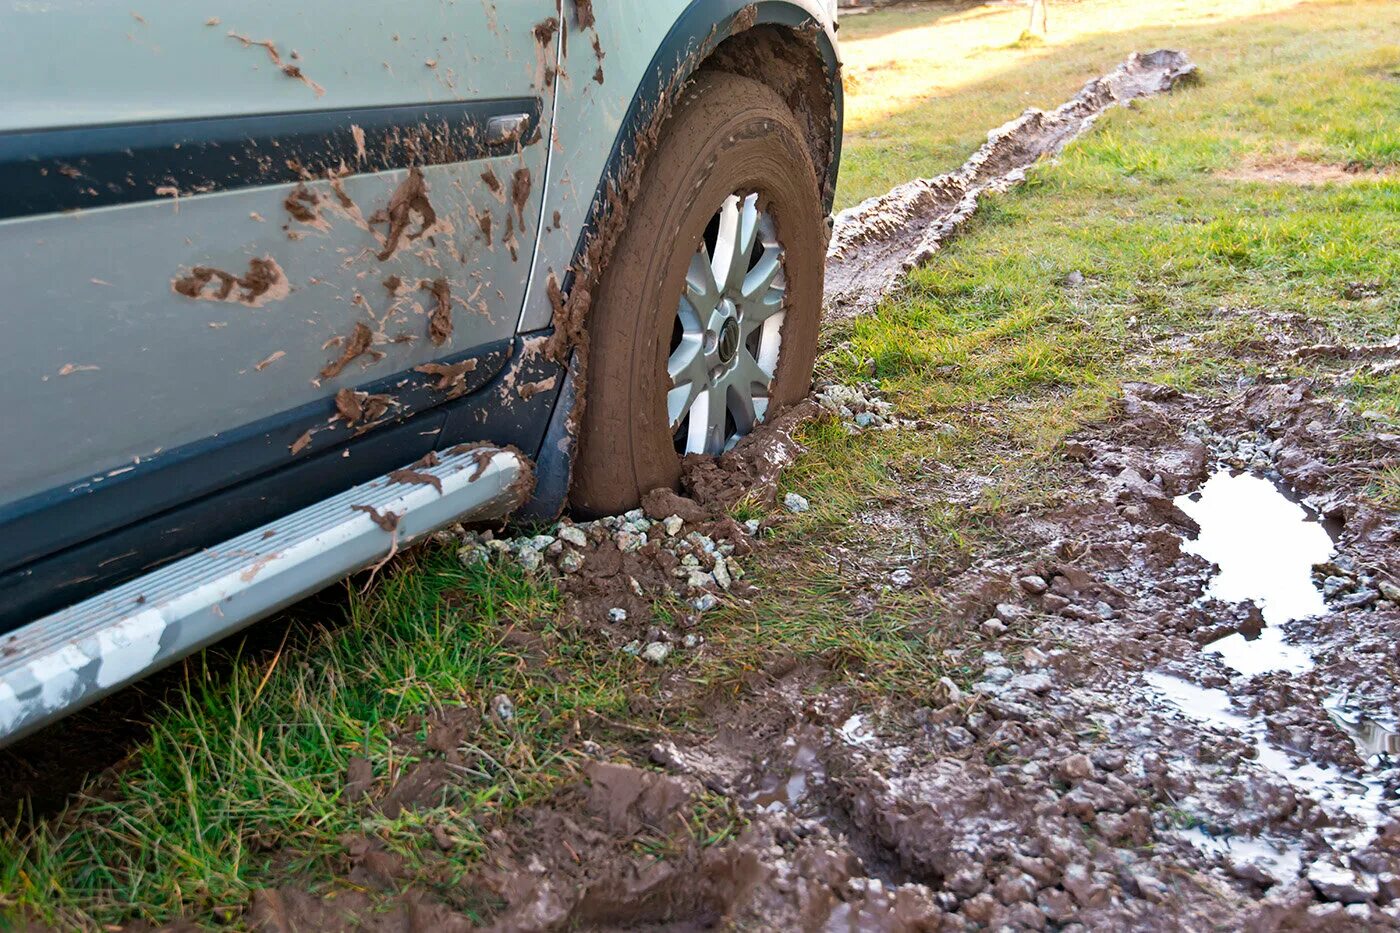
(686,368)
(761,279)
(701,289)
(707,417)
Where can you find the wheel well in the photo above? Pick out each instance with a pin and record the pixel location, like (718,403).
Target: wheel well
(788,61)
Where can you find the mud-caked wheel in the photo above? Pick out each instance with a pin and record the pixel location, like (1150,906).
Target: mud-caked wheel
(705,318)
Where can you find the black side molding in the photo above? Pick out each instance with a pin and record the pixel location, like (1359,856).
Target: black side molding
(45,171)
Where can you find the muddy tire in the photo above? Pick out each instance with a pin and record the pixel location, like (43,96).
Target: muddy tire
(730,168)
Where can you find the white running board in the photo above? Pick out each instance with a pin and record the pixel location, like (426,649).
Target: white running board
(72,657)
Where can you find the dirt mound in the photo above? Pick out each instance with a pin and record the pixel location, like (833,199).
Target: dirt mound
(878,240)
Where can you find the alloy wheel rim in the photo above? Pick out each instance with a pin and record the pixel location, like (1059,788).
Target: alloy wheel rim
(728,330)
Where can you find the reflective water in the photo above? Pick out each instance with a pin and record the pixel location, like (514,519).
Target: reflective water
(1336,790)
(1374,739)
(1265,545)
(784,791)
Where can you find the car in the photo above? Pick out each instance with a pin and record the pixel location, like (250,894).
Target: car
(289,286)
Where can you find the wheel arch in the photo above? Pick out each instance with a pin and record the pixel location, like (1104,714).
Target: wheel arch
(788,45)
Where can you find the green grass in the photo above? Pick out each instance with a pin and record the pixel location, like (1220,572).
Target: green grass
(239,784)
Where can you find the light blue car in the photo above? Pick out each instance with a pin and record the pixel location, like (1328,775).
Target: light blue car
(287,286)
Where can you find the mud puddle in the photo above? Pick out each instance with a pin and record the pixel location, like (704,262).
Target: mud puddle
(1265,543)
(1357,797)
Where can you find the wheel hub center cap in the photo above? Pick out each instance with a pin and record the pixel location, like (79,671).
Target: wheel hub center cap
(728,340)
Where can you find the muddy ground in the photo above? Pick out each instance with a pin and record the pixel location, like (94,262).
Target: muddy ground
(1135,752)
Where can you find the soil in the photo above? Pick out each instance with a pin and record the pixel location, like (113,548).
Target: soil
(1295,171)
(1079,784)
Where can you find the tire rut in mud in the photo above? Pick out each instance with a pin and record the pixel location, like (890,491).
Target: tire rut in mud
(878,240)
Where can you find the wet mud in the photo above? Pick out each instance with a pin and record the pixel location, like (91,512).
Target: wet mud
(877,241)
(1106,768)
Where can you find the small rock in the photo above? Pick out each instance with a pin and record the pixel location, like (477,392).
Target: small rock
(628,541)
(721,573)
(1035,683)
(692,641)
(795,503)
(1034,657)
(1034,584)
(656,652)
(570,561)
(902,577)
(864,419)
(1360,599)
(1389,590)
(617,615)
(502,708)
(1334,586)
(530,559)
(472,554)
(957,738)
(672,525)
(751,525)
(1075,768)
(1073,279)
(997,675)
(573,535)
(994,628)
(1011,613)
(1109,759)
(950,690)
(632,647)
(705,602)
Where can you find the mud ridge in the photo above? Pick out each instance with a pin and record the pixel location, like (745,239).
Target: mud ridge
(878,240)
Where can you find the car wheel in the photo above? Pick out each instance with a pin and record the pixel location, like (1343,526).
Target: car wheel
(706,315)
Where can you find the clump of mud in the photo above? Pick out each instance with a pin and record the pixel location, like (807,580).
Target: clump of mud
(878,240)
(678,547)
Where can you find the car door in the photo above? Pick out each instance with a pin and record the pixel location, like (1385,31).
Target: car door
(215,219)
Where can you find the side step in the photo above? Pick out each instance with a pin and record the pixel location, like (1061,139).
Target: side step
(72,657)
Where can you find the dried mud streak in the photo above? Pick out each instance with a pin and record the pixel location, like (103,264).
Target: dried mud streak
(877,241)
(387,520)
(411,477)
(291,71)
(263,282)
(411,196)
(520,193)
(451,377)
(358,344)
(440,321)
(583,14)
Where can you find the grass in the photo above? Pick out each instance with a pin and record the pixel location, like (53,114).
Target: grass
(996,359)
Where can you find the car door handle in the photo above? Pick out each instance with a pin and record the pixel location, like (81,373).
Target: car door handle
(506,128)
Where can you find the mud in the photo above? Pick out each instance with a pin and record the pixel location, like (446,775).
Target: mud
(356,346)
(1105,770)
(877,241)
(290,70)
(440,320)
(408,200)
(264,282)
(519,194)
(451,377)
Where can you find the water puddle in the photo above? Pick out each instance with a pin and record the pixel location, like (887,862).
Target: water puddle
(1283,863)
(1375,741)
(1265,543)
(1334,789)
(777,792)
